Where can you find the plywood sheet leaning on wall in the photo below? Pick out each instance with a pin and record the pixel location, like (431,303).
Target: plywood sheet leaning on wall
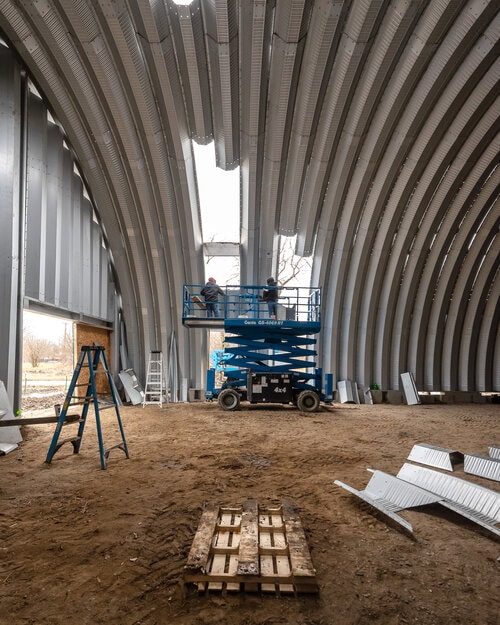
(90,335)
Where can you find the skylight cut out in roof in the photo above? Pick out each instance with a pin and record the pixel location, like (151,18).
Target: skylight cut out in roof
(219,194)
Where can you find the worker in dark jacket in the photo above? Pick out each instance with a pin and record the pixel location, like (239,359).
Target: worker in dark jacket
(270,295)
(210,292)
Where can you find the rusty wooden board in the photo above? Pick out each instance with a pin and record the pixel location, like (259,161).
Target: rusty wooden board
(251,548)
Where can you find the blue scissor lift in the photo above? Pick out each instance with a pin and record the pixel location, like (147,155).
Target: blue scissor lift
(265,359)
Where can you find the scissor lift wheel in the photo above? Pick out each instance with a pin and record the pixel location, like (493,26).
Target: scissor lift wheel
(308,401)
(229,399)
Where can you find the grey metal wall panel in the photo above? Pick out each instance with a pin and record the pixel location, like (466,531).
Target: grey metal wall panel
(64,250)
(35,200)
(10,231)
(85,268)
(63,241)
(96,274)
(75,243)
(50,229)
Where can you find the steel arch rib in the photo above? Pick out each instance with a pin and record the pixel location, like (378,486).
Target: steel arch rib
(411,127)
(449,247)
(456,312)
(472,371)
(391,153)
(255,38)
(423,341)
(440,182)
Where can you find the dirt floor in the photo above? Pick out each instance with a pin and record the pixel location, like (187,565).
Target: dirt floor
(84,546)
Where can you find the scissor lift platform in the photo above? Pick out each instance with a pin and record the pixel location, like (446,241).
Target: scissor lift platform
(259,343)
(298,309)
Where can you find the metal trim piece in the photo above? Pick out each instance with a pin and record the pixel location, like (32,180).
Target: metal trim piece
(6,448)
(475,502)
(348,391)
(388,495)
(409,388)
(132,386)
(483,466)
(494,451)
(433,456)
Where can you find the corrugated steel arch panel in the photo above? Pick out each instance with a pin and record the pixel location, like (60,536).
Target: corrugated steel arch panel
(459,305)
(419,105)
(472,373)
(390,154)
(402,82)
(413,319)
(132,117)
(280,83)
(221,27)
(173,175)
(382,129)
(164,195)
(127,196)
(466,212)
(355,44)
(352,209)
(292,19)
(256,21)
(154,233)
(319,48)
(287,46)
(432,183)
(187,33)
(393,33)
(462,183)
(488,351)
(120,146)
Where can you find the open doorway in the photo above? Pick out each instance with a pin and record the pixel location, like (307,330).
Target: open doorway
(51,346)
(48,355)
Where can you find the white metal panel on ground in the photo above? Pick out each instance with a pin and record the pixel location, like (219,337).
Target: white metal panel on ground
(11,435)
(348,391)
(471,500)
(132,387)
(439,457)
(387,494)
(494,451)
(484,466)
(409,389)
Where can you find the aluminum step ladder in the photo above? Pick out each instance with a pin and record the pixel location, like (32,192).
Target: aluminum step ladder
(91,364)
(154,391)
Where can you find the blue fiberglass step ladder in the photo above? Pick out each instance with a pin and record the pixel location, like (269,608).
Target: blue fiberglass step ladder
(93,359)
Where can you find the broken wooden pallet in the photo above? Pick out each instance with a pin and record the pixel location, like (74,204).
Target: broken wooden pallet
(251,548)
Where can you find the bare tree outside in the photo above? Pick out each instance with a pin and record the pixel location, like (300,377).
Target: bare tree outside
(37,348)
(292,269)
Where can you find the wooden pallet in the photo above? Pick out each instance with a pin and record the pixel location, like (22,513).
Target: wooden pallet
(251,549)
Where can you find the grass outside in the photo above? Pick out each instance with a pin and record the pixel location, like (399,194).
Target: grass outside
(47,371)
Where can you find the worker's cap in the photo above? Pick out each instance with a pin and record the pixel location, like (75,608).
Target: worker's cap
(212,280)
(269,280)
